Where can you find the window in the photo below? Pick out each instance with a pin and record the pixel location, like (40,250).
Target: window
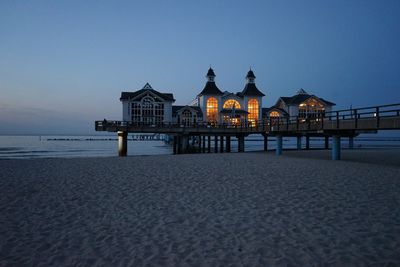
(311,109)
(187,118)
(274,114)
(212,109)
(231,103)
(252,108)
(147,111)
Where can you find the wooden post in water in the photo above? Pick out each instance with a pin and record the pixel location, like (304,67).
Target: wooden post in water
(221,149)
(122,143)
(209,143)
(307,142)
(216,144)
(204,144)
(228,143)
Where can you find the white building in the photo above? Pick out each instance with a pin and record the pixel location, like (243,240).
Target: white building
(147,106)
(302,104)
(230,108)
(212,106)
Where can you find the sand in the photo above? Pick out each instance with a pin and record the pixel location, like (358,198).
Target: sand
(248,209)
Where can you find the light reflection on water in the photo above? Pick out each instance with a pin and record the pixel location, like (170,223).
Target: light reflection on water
(16,147)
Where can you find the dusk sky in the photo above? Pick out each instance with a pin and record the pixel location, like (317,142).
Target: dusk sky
(63,64)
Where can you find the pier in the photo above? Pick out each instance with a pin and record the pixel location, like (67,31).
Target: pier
(330,125)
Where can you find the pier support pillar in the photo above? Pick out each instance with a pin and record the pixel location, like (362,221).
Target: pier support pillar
(351,142)
(279,145)
(209,143)
(204,144)
(265,142)
(240,143)
(336,147)
(122,143)
(174,144)
(326,142)
(299,145)
(307,142)
(179,144)
(221,149)
(199,143)
(228,143)
(216,144)
(185,143)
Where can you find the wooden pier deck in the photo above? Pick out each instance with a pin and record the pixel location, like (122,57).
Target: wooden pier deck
(335,124)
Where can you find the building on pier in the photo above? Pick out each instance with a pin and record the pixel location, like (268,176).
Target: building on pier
(213,106)
(230,108)
(147,106)
(302,104)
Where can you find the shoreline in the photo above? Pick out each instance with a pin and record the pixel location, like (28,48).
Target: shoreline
(376,156)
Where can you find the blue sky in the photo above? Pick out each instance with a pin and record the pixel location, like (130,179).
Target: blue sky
(63,64)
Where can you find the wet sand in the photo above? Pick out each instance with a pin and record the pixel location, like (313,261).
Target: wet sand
(247,209)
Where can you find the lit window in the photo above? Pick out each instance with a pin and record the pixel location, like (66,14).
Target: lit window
(231,103)
(311,108)
(274,114)
(212,109)
(252,108)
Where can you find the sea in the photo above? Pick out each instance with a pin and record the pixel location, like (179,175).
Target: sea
(73,146)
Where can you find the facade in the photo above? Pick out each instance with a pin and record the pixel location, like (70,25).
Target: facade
(213,106)
(303,105)
(230,108)
(147,106)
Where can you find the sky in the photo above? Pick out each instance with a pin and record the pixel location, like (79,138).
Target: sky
(64,64)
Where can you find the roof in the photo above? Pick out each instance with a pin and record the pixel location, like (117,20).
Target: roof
(230,111)
(251,90)
(198,110)
(301,97)
(211,89)
(147,87)
(210,72)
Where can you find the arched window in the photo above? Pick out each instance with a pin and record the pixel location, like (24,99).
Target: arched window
(212,109)
(274,114)
(311,108)
(230,103)
(148,110)
(252,108)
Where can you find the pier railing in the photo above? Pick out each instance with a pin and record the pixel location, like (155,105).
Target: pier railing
(366,118)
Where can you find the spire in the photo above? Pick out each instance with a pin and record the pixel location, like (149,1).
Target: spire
(210,88)
(251,89)
(210,75)
(302,92)
(250,76)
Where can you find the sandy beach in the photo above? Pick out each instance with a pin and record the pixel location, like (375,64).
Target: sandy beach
(247,209)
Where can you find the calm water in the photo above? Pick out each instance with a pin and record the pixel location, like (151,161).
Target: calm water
(17,147)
